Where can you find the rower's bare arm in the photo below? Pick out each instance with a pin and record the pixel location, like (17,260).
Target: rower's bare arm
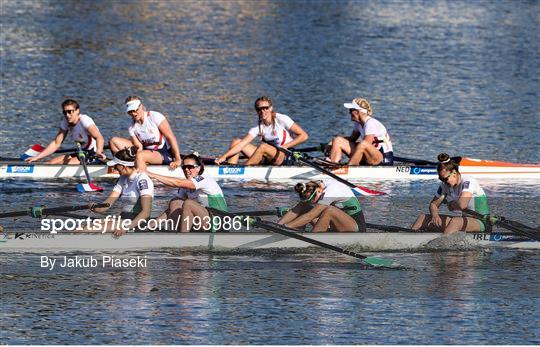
(289,216)
(435,203)
(100,141)
(135,141)
(300,136)
(146,210)
(461,203)
(236,149)
(369,138)
(166,130)
(51,147)
(172,181)
(354,136)
(111,199)
(307,217)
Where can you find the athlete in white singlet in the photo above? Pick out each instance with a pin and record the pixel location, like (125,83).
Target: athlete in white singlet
(369,142)
(460,192)
(274,130)
(151,133)
(197,192)
(82,129)
(329,204)
(134,189)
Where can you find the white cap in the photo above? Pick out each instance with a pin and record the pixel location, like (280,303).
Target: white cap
(353,105)
(133,105)
(116,161)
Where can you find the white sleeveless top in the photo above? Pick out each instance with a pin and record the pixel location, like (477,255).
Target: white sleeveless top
(148,132)
(277,134)
(79,132)
(378,130)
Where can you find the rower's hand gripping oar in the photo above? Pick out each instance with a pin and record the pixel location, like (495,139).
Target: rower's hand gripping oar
(40,211)
(280,229)
(518,228)
(88,186)
(37,148)
(359,190)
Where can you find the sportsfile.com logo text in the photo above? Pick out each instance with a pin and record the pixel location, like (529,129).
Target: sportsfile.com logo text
(54,225)
(206,223)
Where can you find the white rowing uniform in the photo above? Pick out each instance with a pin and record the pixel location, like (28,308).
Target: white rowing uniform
(478,201)
(207,192)
(132,188)
(339,195)
(79,132)
(278,133)
(373,127)
(148,132)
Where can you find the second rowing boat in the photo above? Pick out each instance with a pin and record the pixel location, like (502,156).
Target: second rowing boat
(476,168)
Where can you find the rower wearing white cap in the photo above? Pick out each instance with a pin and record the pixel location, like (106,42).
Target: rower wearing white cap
(134,187)
(152,135)
(83,130)
(369,142)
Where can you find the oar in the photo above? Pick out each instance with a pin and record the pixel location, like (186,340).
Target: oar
(37,148)
(357,189)
(39,211)
(415,161)
(530,232)
(280,229)
(88,186)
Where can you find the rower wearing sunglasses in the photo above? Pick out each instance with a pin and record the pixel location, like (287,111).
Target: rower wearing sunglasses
(460,192)
(195,193)
(151,133)
(275,130)
(329,204)
(82,129)
(135,188)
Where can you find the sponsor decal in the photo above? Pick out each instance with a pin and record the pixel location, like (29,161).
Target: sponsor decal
(23,236)
(495,237)
(466,184)
(28,169)
(199,178)
(344,170)
(417,170)
(143,184)
(403,169)
(231,170)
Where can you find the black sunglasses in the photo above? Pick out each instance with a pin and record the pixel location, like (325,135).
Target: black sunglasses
(262,108)
(189,167)
(66,112)
(445,179)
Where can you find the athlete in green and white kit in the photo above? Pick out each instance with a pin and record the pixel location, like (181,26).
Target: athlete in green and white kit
(460,192)
(196,193)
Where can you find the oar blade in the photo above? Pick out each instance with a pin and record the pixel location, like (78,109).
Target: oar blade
(32,151)
(363,191)
(88,187)
(378,262)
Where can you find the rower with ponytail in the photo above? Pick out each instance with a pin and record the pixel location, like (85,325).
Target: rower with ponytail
(459,192)
(329,205)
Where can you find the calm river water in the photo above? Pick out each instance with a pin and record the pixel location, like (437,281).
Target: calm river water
(455,76)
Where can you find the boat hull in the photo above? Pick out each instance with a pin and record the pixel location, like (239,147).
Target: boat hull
(40,241)
(273,173)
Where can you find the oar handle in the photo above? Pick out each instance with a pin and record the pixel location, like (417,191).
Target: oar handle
(502,222)
(74,150)
(39,211)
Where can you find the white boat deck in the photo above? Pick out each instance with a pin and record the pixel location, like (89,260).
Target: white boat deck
(371,241)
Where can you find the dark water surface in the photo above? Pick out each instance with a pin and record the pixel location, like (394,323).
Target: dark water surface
(455,76)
